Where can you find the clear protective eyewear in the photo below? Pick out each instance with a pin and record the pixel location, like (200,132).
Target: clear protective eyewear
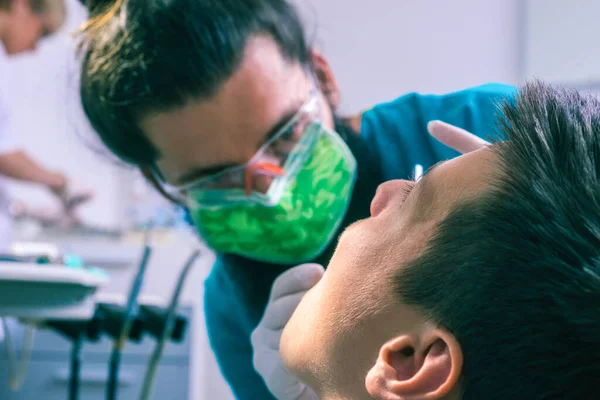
(262,179)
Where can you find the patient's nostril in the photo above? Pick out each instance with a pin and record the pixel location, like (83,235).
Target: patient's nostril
(407,352)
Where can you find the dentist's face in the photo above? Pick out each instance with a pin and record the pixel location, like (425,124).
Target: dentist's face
(204,137)
(334,337)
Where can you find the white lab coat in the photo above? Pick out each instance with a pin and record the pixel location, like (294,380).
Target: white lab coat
(7,145)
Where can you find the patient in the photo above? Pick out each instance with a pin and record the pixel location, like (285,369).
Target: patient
(481,281)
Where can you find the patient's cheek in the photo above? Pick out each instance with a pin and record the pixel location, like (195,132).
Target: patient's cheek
(285,347)
(356,244)
(298,337)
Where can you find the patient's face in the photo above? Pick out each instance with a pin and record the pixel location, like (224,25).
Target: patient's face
(335,334)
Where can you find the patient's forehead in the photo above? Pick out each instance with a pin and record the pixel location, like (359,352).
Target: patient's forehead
(454,181)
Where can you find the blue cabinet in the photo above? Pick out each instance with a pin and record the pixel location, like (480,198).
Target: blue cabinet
(48,372)
(49,380)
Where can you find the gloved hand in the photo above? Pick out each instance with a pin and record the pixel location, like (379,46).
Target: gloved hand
(286,293)
(455,137)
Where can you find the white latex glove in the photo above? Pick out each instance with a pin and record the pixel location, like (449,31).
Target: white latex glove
(455,137)
(286,293)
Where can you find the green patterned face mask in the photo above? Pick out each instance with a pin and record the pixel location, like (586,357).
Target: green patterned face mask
(296,218)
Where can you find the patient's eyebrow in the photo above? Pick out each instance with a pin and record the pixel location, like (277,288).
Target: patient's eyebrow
(425,181)
(424,191)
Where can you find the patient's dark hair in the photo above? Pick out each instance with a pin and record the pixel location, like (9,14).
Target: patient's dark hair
(155,55)
(515,274)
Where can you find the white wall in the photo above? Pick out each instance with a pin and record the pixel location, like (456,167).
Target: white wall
(379,50)
(384,48)
(561,41)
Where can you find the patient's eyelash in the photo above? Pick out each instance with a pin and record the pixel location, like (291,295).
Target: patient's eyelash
(416,176)
(407,189)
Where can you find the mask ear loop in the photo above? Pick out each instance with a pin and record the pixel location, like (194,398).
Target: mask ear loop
(263,168)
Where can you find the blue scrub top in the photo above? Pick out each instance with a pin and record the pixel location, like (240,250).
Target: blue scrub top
(396,134)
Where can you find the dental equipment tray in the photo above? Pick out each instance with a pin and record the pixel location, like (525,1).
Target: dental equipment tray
(38,292)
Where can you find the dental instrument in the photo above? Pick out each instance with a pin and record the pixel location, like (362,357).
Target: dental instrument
(129,316)
(75,367)
(417,172)
(168,327)
(17,371)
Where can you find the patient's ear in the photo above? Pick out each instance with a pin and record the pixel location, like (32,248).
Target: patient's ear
(424,366)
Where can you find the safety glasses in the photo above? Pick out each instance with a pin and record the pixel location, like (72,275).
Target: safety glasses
(262,178)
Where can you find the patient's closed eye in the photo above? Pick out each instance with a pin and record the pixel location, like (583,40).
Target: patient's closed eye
(406,189)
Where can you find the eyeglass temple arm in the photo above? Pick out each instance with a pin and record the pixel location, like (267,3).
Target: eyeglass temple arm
(147,173)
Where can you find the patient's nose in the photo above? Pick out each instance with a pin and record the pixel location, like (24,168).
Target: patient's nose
(389,193)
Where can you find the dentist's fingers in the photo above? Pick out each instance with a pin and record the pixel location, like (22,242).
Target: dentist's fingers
(279,312)
(455,137)
(287,292)
(297,279)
